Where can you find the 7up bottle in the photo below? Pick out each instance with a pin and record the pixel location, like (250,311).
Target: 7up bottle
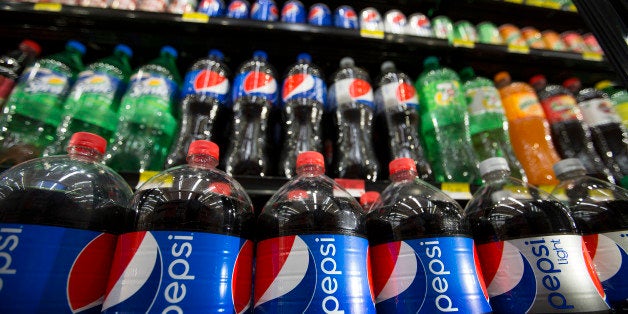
(92,105)
(146,122)
(33,110)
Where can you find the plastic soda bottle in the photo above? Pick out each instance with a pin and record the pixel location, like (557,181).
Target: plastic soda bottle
(33,111)
(418,240)
(487,123)
(146,117)
(93,101)
(599,209)
(312,252)
(532,255)
(445,124)
(618,95)
(528,129)
(191,247)
(60,217)
(12,63)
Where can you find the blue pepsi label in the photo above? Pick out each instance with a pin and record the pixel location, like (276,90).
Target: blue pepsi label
(39,80)
(238,9)
(255,84)
(609,253)
(206,82)
(304,86)
(313,274)
(545,274)
(46,269)
(293,12)
(351,91)
(180,272)
(430,275)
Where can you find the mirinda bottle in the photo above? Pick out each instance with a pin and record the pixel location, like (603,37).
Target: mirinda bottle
(529,131)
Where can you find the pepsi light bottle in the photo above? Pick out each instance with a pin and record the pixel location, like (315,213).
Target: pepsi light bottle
(205,94)
(190,250)
(350,98)
(600,211)
(312,248)
(59,221)
(532,254)
(303,96)
(254,96)
(397,103)
(422,253)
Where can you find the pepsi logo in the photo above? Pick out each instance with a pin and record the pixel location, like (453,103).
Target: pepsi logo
(255,8)
(207,81)
(406,93)
(589,264)
(398,18)
(237,6)
(290,9)
(297,84)
(361,90)
(396,264)
(422,22)
(242,278)
(371,16)
(605,254)
(350,14)
(316,13)
(478,270)
(274,12)
(258,82)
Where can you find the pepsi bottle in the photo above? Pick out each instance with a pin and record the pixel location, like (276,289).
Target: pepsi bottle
(190,250)
(350,98)
(418,241)
(312,247)
(532,254)
(303,96)
(397,104)
(254,96)
(204,94)
(59,221)
(599,209)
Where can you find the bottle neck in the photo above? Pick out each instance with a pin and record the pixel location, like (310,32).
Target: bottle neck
(571,174)
(84,153)
(403,175)
(310,170)
(202,161)
(495,176)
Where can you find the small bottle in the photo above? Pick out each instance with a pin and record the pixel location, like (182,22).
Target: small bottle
(12,63)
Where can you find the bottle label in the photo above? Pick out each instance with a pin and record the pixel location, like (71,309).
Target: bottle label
(208,83)
(609,253)
(6,85)
(545,274)
(560,108)
(158,87)
(522,105)
(395,94)
(148,101)
(431,275)
(46,269)
(351,90)
(484,99)
(304,86)
(598,111)
(443,94)
(314,274)
(180,272)
(91,98)
(38,80)
(255,84)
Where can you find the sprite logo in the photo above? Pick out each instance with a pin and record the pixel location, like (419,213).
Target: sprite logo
(150,85)
(445,93)
(45,81)
(94,83)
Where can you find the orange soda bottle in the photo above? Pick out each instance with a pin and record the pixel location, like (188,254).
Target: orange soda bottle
(529,131)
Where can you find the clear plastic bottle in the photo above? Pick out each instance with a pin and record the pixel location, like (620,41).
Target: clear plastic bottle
(254,96)
(59,221)
(33,111)
(351,99)
(599,209)
(12,63)
(146,121)
(311,234)
(619,96)
(531,252)
(304,94)
(205,94)
(417,239)
(397,104)
(193,234)
(93,101)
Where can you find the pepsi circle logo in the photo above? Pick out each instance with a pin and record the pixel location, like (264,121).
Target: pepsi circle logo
(242,278)
(274,12)
(361,90)
(316,12)
(297,84)
(371,16)
(398,19)
(211,81)
(406,93)
(290,9)
(350,14)
(258,82)
(237,6)
(397,266)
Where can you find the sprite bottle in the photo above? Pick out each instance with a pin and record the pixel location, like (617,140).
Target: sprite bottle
(92,105)
(33,110)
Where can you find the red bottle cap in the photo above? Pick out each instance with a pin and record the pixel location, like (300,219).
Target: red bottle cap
(90,140)
(538,79)
(401,164)
(204,148)
(32,45)
(572,81)
(369,197)
(310,158)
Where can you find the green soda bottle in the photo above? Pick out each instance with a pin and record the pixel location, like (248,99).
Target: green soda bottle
(146,121)
(487,123)
(619,97)
(33,110)
(445,124)
(92,105)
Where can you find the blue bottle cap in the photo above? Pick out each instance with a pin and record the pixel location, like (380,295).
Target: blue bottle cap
(124,49)
(304,57)
(77,45)
(260,54)
(169,50)
(431,62)
(216,53)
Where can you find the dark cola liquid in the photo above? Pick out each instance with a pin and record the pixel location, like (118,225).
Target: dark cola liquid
(601,217)
(337,216)
(611,137)
(172,209)
(415,218)
(520,219)
(55,208)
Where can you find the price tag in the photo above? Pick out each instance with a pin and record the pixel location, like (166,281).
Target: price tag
(559,194)
(195,17)
(457,190)
(547,188)
(514,1)
(519,49)
(372,33)
(593,56)
(536,3)
(464,43)
(47,6)
(144,176)
(355,187)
